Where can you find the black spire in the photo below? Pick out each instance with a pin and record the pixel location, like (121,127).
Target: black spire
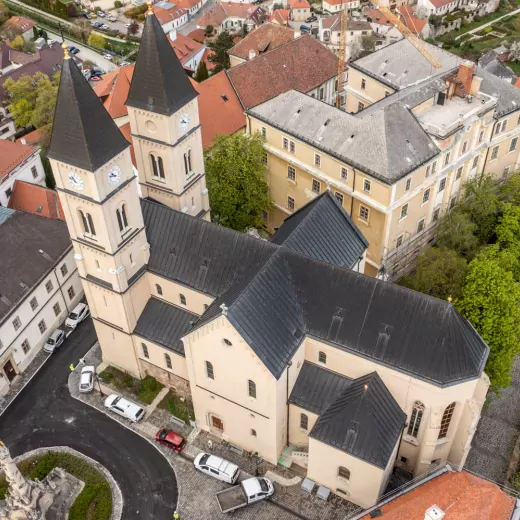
(83,133)
(159,83)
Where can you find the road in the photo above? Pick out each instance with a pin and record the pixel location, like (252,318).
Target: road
(192,24)
(44,414)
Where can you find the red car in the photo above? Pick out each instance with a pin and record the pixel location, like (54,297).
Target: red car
(170,439)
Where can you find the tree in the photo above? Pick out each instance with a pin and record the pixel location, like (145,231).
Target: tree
(202,72)
(368,43)
(96,40)
(456,231)
(10,30)
(514,52)
(18,43)
(209,30)
(81,29)
(356,49)
(4,13)
(50,181)
(118,4)
(235,176)
(133,29)
(490,302)
(220,47)
(244,30)
(72,12)
(440,272)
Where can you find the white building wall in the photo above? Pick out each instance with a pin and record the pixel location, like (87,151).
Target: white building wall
(195,60)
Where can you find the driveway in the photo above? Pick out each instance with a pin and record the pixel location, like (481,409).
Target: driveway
(192,24)
(44,414)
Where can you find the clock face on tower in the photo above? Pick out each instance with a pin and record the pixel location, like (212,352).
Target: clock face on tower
(114,175)
(184,122)
(76,181)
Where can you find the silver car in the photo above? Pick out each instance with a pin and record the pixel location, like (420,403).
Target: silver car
(217,467)
(54,341)
(86,381)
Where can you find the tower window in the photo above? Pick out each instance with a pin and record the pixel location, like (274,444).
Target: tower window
(446,420)
(145,350)
(157,166)
(122,221)
(187,163)
(88,223)
(158,288)
(209,370)
(415,419)
(252,388)
(168,361)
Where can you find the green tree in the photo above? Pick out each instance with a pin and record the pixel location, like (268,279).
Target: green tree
(202,72)
(509,190)
(50,182)
(220,47)
(96,40)
(118,4)
(235,175)
(18,43)
(209,30)
(4,13)
(440,272)
(368,43)
(456,231)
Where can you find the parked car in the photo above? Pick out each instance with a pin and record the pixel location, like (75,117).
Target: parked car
(124,407)
(87,16)
(86,381)
(311,19)
(125,63)
(170,439)
(305,28)
(105,27)
(54,341)
(107,57)
(73,50)
(95,78)
(216,467)
(247,492)
(78,314)
(112,18)
(127,25)
(101,13)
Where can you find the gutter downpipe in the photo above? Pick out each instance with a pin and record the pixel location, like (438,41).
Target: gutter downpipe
(288,366)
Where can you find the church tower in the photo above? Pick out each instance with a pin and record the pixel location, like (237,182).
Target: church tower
(164,121)
(98,190)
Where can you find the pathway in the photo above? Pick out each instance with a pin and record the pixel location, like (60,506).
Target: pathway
(480,27)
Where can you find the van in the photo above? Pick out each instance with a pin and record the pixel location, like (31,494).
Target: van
(216,467)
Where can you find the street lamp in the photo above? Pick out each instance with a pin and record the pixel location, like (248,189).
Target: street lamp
(99,384)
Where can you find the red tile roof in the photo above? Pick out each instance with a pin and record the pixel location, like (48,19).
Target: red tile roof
(187,4)
(114,88)
(218,115)
(127,133)
(199,35)
(12,154)
(441,3)
(302,64)
(207,53)
(23,23)
(517,83)
(408,18)
(462,496)
(36,199)
(265,38)
(280,16)
(222,11)
(167,15)
(32,138)
(299,4)
(184,47)
(378,17)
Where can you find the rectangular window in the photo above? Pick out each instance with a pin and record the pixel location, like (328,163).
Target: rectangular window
(17,323)
(339,197)
(292,147)
(459,174)
(316,186)
(447,159)
(321,93)
(285,143)
(408,184)
(291,173)
(25,346)
(442,185)
(453,201)
(317,160)
(290,203)
(435,215)
(360,106)
(304,421)
(434,167)
(64,270)
(264,132)
(71,292)
(475,162)
(34,172)
(399,241)
(42,326)
(404,211)
(145,351)
(264,158)
(366,186)
(364,213)
(464,147)
(506,171)
(481,136)
(344,174)
(494,153)
(49,286)
(420,226)
(251,388)
(34,303)
(363,84)
(504,125)
(187,163)
(426,196)
(513,144)
(57,309)
(428,168)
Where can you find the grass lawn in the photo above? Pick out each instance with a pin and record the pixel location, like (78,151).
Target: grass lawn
(176,406)
(93,503)
(145,390)
(515,66)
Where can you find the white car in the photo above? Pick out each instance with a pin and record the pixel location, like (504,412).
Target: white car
(216,467)
(124,407)
(86,381)
(54,341)
(107,57)
(78,314)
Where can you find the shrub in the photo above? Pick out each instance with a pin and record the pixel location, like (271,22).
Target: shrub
(118,4)
(134,12)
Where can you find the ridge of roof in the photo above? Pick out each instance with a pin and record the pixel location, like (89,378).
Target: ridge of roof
(159,83)
(83,133)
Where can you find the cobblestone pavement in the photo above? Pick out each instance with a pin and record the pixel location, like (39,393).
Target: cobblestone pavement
(497,432)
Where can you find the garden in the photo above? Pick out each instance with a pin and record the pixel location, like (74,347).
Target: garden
(179,406)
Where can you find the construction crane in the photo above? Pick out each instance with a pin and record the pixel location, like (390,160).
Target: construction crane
(343,18)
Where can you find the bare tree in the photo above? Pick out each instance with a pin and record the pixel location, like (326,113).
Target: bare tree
(10,30)
(82,29)
(514,54)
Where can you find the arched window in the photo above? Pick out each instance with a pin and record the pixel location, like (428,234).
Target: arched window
(322,357)
(155,172)
(158,288)
(122,220)
(168,361)
(87,222)
(161,167)
(415,419)
(304,422)
(446,419)
(187,163)
(157,166)
(209,370)
(252,388)
(91,224)
(183,299)
(145,350)
(344,473)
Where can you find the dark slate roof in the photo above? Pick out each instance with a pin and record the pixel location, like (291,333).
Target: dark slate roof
(313,231)
(159,83)
(508,95)
(23,236)
(83,133)
(316,387)
(490,62)
(364,421)
(293,295)
(164,324)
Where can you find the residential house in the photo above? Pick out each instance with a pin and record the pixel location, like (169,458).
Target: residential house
(252,328)
(280,16)
(333,6)
(36,199)
(232,16)
(40,286)
(170,16)
(417,26)
(265,38)
(490,62)
(384,31)
(303,64)
(18,162)
(438,7)
(300,10)
(188,51)
(24,25)
(192,6)
(329,33)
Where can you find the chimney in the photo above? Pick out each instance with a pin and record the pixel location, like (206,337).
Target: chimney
(434,513)
(173,35)
(475,85)
(465,74)
(297,34)
(252,54)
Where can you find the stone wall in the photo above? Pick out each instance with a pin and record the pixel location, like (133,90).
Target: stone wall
(181,386)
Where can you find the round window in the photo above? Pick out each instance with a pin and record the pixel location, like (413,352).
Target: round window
(151,126)
(227,342)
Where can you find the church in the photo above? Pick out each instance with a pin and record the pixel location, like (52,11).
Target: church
(285,348)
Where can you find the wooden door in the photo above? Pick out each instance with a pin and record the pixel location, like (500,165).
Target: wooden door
(9,370)
(217,423)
